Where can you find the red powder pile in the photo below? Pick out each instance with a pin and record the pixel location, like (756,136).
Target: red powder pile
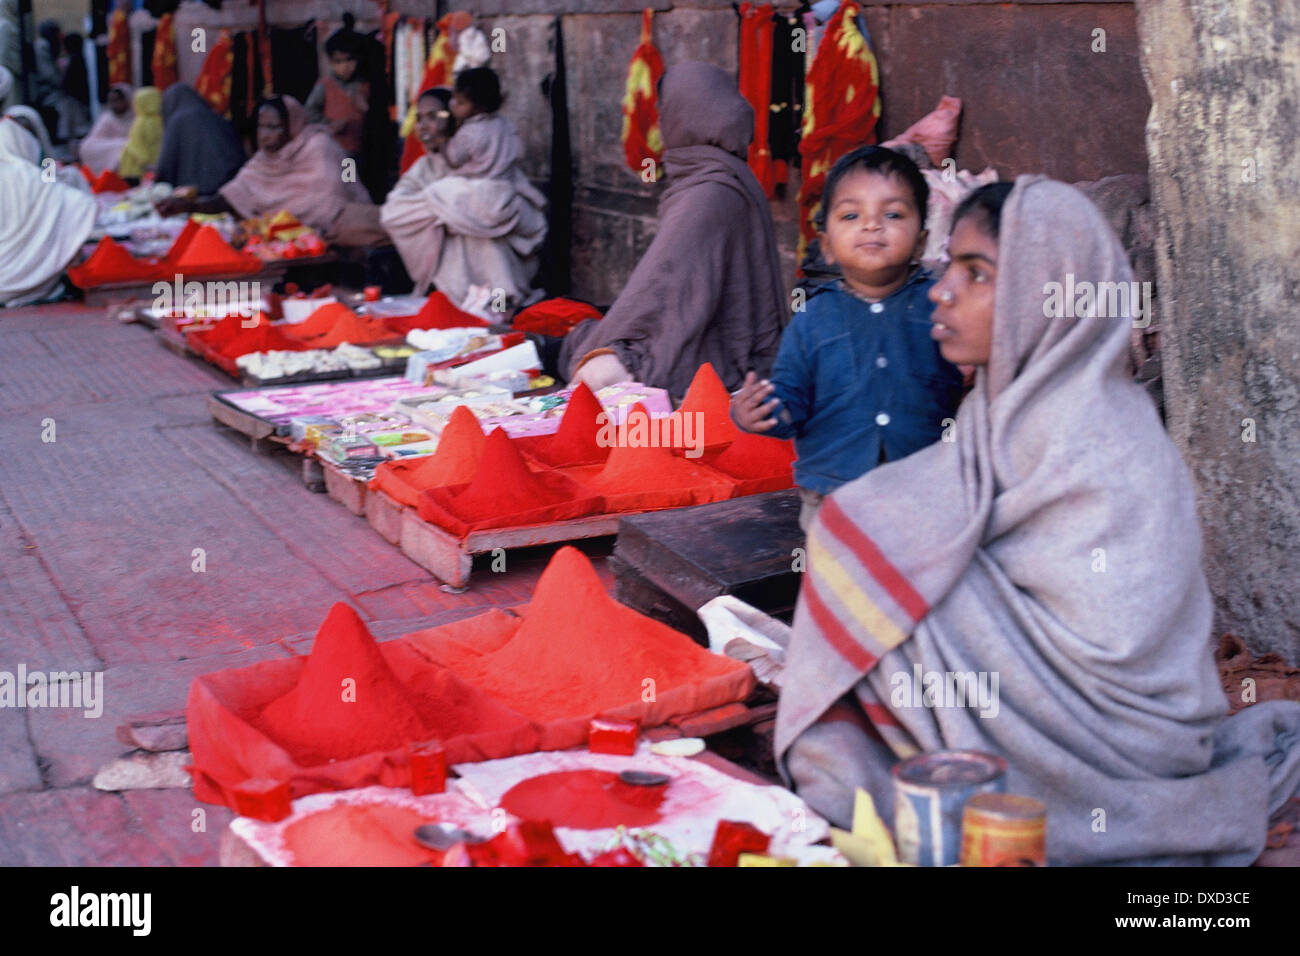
(110,262)
(350,835)
(346,326)
(436,313)
(315,722)
(226,331)
(207,253)
(504,493)
(709,397)
(584,800)
(262,337)
(574,442)
(183,239)
(460,448)
(319,322)
(579,652)
(757,463)
(554,316)
(109,181)
(649,477)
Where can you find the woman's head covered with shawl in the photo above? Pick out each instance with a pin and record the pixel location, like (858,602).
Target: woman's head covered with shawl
(181,98)
(700,105)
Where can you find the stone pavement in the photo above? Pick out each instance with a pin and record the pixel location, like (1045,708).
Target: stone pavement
(98,530)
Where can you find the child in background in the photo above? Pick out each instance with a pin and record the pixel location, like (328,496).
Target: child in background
(341,97)
(858,380)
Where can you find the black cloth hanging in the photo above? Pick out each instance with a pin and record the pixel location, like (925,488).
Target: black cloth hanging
(556,273)
(296,65)
(787,90)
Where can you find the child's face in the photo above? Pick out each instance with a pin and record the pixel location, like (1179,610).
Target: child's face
(963,297)
(343,65)
(873,229)
(462,107)
(117,102)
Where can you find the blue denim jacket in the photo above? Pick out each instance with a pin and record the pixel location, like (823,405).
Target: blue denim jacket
(857,379)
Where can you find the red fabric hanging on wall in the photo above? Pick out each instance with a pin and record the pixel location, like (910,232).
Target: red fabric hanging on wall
(641,137)
(213,83)
(164,53)
(756,29)
(841,107)
(119,49)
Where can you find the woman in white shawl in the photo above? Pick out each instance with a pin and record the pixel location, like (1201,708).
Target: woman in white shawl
(44,222)
(465,214)
(1027,555)
(103,145)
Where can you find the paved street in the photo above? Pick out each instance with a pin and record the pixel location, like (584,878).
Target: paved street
(98,531)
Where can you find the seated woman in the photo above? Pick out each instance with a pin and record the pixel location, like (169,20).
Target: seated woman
(465,214)
(980,556)
(31,121)
(709,288)
(144,141)
(44,223)
(103,145)
(199,148)
(297,167)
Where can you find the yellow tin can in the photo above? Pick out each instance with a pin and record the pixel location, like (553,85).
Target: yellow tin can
(1003,829)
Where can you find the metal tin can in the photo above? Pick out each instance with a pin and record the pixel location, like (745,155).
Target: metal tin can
(1004,829)
(930,792)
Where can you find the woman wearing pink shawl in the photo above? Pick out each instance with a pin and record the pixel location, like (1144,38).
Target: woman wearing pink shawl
(298,166)
(103,145)
(1019,590)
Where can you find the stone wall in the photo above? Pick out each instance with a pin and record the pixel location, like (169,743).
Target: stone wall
(1037,98)
(1223,141)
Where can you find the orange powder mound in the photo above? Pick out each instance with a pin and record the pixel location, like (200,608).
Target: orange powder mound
(263,337)
(110,262)
(757,463)
(709,397)
(350,835)
(460,449)
(319,322)
(109,182)
(575,441)
(584,800)
(438,312)
(314,720)
(504,493)
(348,327)
(642,476)
(579,652)
(207,252)
(227,330)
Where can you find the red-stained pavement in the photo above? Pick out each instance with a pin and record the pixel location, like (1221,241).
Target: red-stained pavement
(98,531)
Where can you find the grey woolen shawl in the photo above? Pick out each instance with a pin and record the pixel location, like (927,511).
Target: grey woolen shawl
(709,288)
(1053,545)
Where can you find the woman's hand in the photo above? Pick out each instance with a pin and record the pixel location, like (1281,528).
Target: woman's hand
(750,407)
(174,206)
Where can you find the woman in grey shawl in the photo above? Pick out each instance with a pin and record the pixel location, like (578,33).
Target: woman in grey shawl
(1029,554)
(709,288)
(199,148)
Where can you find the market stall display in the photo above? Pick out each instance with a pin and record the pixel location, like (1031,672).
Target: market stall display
(480,686)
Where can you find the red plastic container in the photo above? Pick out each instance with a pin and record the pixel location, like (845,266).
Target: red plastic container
(428,768)
(262,799)
(609,736)
(733,838)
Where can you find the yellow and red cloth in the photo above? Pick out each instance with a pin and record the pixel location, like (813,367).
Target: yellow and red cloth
(841,108)
(641,136)
(164,53)
(119,49)
(213,83)
(437,72)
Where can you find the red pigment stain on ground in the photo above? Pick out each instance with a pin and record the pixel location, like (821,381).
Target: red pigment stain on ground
(350,835)
(584,800)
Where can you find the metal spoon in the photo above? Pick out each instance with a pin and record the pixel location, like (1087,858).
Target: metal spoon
(443,836)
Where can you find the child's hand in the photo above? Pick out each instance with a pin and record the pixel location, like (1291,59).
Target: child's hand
(750,407)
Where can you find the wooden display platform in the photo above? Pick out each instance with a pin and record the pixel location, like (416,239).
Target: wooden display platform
(667,564)
(451,559)
(113,293)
